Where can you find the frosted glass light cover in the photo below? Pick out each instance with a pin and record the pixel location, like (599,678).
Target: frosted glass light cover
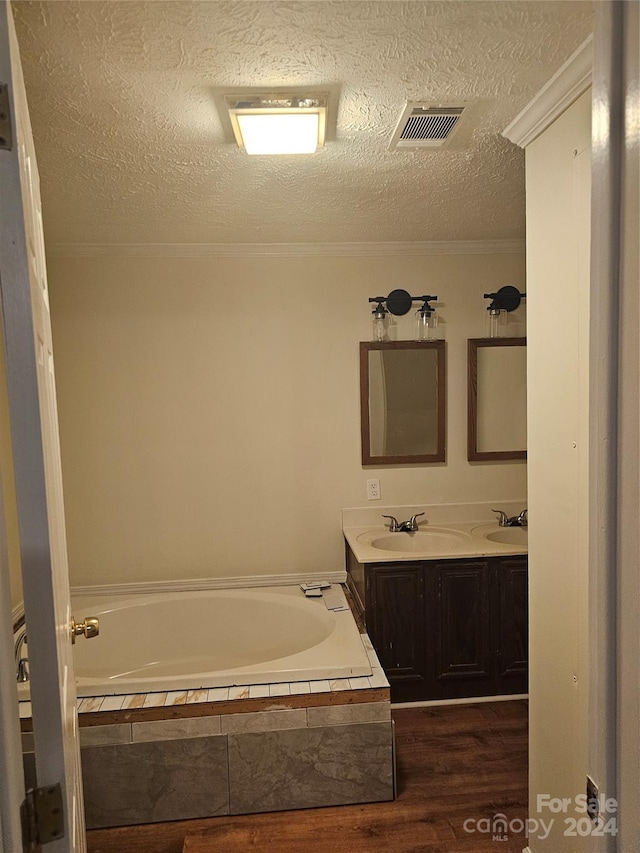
(279,133)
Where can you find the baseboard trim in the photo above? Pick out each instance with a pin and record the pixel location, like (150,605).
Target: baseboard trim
(197,584)
(473,700)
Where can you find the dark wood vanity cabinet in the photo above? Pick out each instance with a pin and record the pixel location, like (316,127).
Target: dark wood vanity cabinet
(447,629)
(394,615)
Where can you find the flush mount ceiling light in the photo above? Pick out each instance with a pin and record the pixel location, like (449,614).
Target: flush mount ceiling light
(278,124)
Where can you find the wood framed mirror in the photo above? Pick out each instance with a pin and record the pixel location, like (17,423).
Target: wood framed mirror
(497,399)
(402,402)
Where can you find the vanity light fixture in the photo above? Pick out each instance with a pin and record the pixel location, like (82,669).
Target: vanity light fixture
(399,302)
(426,320)
(379,318)
(279,123)
(506,299)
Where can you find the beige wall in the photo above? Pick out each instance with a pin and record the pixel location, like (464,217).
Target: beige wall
(209,407)
(558,239)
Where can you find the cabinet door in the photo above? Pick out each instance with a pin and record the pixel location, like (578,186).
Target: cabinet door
(512,618)
(395,619)
(462,637)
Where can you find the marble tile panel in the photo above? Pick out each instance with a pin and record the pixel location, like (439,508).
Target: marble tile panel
(134,701)
(194,696)
(173,729)
(112,703)
(309,768)
(175,697)
(366,642)
(150,782)
(89,704)
(103,735)
(264,721)
(154,700)
(378,677)
(218,694)
(299,687)
(239,692)
(336,715)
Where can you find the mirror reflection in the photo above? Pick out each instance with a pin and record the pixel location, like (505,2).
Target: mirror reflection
(497,399)
(402,397)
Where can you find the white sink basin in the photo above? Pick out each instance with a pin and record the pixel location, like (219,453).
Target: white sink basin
(422,541)
(509,536)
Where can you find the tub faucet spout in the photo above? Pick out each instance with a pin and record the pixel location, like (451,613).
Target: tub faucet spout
(22,664)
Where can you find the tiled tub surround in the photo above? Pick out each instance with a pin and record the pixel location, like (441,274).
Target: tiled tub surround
(255,761)
(181,754)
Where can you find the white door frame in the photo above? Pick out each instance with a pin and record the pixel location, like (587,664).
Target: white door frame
(614,577)
(37,469)
(12,787)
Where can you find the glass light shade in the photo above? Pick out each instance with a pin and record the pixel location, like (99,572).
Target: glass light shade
(379,326)
(279,133)
(426,325)
(496,323)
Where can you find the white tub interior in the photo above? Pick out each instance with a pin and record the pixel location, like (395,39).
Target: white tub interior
(214,638)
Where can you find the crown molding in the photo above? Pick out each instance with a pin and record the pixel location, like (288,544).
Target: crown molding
(565,87)
(283,250)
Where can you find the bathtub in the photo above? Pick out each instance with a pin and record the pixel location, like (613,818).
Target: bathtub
(213,638)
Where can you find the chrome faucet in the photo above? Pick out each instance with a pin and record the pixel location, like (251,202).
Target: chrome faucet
(504,520)
(409,526)
(22,664)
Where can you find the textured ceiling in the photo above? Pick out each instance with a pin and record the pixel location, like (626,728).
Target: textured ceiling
(132,150)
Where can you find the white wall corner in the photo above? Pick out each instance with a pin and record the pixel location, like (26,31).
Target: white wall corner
(565,87)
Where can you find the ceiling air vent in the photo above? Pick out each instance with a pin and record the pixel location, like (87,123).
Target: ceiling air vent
(421,126)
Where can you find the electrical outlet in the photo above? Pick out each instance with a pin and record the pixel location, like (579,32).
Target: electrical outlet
(373,490)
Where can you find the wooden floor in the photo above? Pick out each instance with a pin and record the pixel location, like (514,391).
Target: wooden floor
(456,764)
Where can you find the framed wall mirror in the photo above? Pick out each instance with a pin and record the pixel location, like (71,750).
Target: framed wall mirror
(497,399)
(402,402)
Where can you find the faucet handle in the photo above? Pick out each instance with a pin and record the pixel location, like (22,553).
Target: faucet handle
(523,518)
(412,521)
(503,518)
(393,527)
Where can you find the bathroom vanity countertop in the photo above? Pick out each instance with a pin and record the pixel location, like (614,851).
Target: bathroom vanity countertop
(442,541)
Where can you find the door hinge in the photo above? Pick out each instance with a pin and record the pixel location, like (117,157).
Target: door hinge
(42,817)
(6,135)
